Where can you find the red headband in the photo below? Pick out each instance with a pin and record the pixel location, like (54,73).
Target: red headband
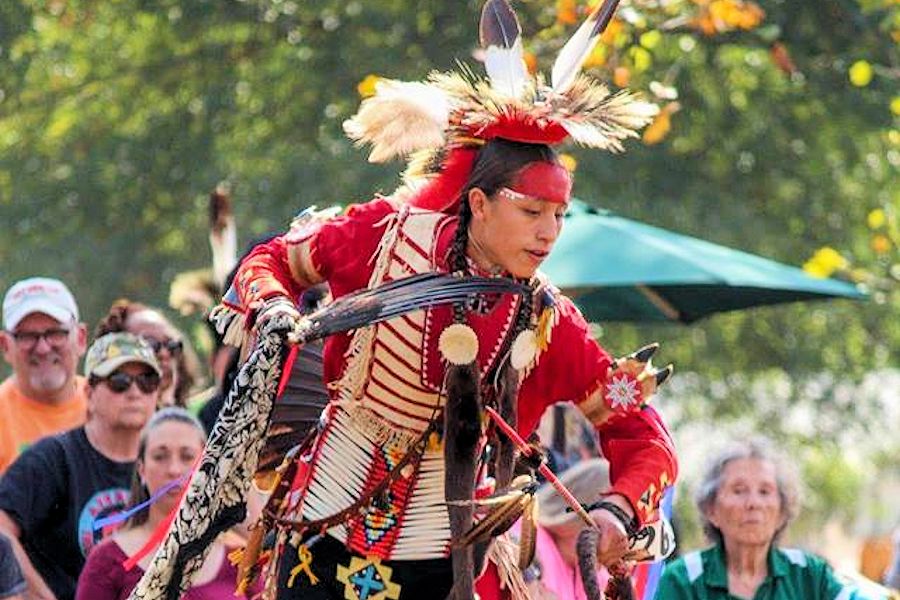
(544,180)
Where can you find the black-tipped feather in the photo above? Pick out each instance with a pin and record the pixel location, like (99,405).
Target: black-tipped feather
(578,48)
(504,58)
(397,298)
(499,25)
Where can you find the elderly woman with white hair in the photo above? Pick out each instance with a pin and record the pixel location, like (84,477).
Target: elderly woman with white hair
(746,499)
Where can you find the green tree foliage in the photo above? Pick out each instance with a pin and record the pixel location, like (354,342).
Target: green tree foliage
(780,135)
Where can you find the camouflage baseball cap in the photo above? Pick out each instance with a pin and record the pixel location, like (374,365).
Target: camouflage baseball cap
(113,350)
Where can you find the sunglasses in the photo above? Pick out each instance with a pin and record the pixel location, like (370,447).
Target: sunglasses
(29,339)
(173,346)
(119,382)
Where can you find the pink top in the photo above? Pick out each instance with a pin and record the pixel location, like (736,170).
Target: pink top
(104,578)
(557,576)
(558,580)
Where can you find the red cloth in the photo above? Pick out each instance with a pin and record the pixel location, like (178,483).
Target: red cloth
(638,446)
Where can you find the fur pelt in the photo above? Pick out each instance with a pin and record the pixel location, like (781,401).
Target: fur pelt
(462,430)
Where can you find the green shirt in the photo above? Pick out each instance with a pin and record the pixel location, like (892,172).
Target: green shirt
(793,575)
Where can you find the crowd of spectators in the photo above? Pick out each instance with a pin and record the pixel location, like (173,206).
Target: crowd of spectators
(76,451)
(69,444)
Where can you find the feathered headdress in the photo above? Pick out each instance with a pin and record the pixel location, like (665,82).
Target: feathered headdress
(440,123)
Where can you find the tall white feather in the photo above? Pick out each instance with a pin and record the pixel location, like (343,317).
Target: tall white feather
(401,118)
(506,69)
(575,52)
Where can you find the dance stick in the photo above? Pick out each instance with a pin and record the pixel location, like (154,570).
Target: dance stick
(543,469)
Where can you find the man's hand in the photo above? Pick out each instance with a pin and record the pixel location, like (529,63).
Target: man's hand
(274,308)
(613,543)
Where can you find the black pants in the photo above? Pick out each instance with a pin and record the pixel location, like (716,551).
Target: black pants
(339,571)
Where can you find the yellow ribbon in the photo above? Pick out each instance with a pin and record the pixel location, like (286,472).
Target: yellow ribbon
(304,566)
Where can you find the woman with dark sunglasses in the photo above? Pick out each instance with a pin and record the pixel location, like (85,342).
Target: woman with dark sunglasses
(179,364)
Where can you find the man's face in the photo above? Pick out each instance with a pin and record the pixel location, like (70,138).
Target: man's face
(130,408)
(44,354)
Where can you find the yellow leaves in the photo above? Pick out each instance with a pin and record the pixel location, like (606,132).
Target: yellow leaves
(641,59)
(661,125)
(62,122)
(531,62)
(567,12)
(718,16)
(366,87)
(861,73)
(569,162)
(876,219)
(612,32)
(597,57)
(895,106)
(825,262)
(651,39)
(880,244)
(893,137)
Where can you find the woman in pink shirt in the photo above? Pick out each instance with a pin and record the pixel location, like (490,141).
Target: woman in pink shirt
(170,444)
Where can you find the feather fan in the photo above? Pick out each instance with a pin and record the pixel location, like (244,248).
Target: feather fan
(297,410)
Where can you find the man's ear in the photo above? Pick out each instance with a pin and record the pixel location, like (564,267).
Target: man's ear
(81,338)
(478,203)
(6,345)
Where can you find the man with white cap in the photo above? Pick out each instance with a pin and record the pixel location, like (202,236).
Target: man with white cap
(42,340)
(53,495)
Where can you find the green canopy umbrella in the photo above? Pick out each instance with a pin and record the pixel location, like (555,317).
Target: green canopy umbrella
(617,269)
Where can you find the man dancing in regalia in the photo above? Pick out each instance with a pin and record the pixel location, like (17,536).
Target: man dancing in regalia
(395,493)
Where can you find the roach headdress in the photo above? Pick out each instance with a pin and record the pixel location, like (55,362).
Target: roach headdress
(440,123)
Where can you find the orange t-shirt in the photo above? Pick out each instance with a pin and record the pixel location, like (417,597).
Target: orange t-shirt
(23,421)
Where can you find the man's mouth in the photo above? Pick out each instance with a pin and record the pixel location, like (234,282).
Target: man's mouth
(47,361)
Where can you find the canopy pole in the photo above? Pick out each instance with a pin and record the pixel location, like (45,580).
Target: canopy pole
(659,302)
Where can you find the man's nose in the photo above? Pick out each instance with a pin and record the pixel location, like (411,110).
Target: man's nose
(548,229)
(42,346)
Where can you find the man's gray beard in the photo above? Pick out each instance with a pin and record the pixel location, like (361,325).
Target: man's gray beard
(51,379)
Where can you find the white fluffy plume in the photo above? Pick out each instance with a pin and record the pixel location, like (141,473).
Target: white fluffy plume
(401,118)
